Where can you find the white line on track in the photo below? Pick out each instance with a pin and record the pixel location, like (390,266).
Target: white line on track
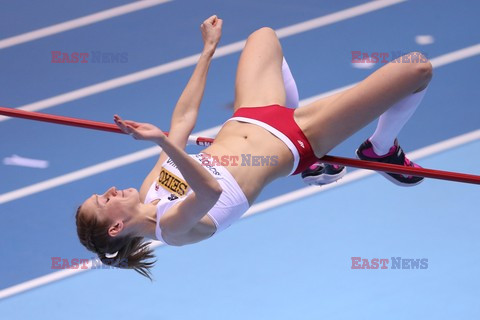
(271,203)
(149,152)
(192,60)
(260,207)
(79,22)
(358,174)
(439,61)
(90,171)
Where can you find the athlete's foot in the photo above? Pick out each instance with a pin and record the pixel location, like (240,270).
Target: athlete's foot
(394,156)
(320,173)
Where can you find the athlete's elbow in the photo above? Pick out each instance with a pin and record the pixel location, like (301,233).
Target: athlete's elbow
(210,194)
(219,192)
(214,192)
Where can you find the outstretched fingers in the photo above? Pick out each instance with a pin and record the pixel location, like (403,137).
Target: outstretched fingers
(127,126)
(139,131)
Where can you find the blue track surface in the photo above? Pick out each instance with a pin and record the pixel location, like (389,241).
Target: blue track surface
(292,260)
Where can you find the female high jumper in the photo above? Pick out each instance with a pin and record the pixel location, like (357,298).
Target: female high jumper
(189,198)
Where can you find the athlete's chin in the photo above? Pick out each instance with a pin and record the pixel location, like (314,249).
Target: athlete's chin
(132,193)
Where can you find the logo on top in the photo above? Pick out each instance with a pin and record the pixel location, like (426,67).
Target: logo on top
(170,182)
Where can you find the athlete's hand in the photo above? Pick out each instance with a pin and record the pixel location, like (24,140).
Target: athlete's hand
(139,131)
(211,32)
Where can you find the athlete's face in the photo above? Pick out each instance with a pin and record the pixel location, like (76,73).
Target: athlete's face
(113,204)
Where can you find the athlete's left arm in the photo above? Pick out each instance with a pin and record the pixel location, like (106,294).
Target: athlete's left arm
(186,110)
(185,113)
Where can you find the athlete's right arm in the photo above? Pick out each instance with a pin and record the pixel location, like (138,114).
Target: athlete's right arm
(206,190)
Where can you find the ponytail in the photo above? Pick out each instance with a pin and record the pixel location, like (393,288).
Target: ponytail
(122,252)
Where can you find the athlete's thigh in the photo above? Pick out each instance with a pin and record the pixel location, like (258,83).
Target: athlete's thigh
(330,120)
(259,79)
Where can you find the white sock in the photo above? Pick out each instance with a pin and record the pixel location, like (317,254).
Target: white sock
(392,121)
(290,86)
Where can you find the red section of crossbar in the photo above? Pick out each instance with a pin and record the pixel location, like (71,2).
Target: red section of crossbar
(75,122)
(96,125)
(391,168)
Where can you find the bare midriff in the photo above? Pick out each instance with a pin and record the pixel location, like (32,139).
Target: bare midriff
(249,144)
(234,140)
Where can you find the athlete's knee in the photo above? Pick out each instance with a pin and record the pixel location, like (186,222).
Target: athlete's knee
(425,68)
(421,66)
(264,32)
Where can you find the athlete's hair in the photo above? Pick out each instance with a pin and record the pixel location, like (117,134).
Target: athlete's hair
(132,252)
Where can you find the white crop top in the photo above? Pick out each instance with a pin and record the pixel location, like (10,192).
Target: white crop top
(171,188)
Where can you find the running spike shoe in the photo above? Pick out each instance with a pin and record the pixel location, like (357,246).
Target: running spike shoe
(320,173)
(394,156)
